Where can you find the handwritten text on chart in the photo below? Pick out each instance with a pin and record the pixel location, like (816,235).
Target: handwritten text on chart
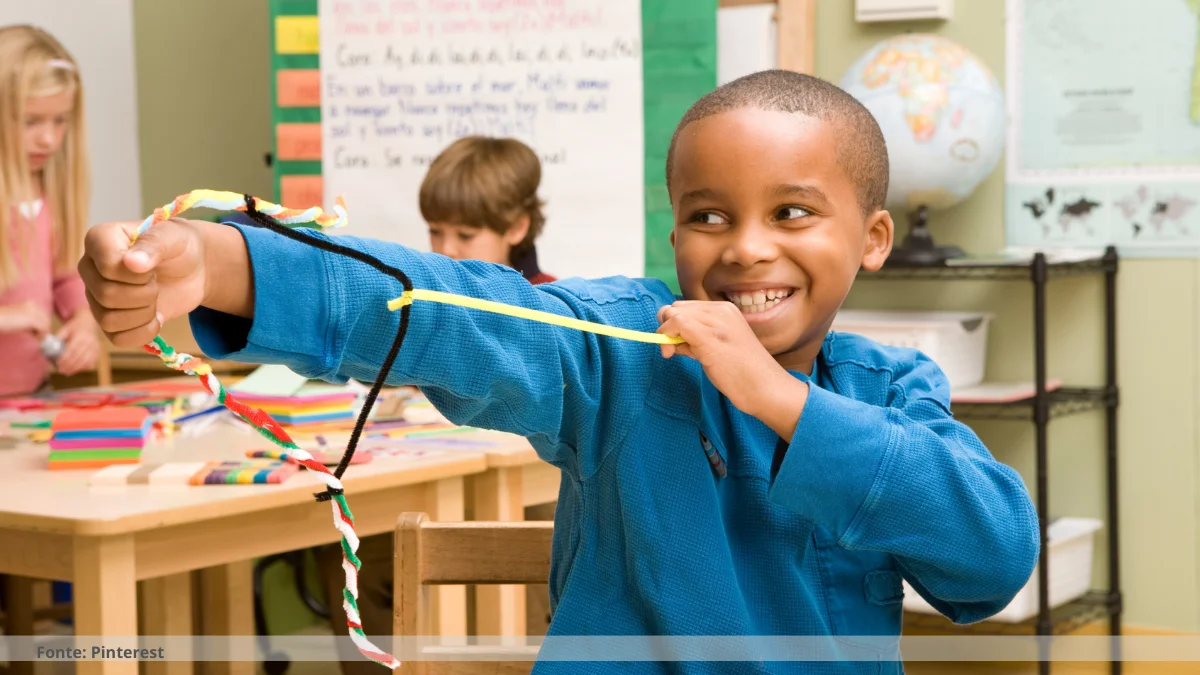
(431,18)
(403,79)
(420,99)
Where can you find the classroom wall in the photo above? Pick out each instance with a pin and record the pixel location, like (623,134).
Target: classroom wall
(1158,369)
(204,111)
(204,102)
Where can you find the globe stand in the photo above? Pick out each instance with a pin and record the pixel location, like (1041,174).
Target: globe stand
(918,249)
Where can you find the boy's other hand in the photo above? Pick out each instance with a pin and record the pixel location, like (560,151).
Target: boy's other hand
(717,335)
(133,288)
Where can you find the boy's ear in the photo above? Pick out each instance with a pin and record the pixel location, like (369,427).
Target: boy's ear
(878,243)
(672,237)
(516,233)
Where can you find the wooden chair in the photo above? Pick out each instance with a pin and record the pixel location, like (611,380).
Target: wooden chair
(431,554)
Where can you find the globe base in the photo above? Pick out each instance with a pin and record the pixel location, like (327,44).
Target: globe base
(918,249)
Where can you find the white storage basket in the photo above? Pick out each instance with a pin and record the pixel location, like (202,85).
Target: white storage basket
(955,341)
(1071,543)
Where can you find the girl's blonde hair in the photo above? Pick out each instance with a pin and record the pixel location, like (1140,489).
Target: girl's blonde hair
(34,64)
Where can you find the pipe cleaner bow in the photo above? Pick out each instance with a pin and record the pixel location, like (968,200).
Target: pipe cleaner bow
(278,219)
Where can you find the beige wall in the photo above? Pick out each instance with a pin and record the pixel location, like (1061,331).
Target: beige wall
(204,103)
(205,122)
(1157,364)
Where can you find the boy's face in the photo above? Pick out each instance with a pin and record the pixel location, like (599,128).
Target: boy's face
(466,242)
(766,217)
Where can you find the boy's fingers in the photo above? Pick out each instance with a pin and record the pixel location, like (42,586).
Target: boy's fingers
(162,242)
(136,337)
(118,295)
(105,247)
(120,320)
(684,350)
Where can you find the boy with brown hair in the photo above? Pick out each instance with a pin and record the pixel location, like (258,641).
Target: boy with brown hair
(768,477)
(480,200)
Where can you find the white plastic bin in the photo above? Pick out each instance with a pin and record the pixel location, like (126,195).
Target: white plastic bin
(956,341)
(1071,543)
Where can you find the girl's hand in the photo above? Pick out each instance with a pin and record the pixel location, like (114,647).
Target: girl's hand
(26,317)
(81,344)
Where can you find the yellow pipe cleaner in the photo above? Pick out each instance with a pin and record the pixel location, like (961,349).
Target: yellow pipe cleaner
(231,201)
(408,297)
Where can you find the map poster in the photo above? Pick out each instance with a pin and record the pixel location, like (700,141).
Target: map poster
(1103,139)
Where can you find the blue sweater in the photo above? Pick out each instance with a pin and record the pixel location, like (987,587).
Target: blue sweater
(807,536)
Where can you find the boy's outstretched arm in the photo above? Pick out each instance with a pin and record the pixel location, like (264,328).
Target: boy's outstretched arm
(910,480)
(258,297)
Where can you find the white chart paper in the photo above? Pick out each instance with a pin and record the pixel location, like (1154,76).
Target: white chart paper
(402,79)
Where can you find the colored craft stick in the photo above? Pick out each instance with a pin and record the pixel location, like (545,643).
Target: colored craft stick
(40,424)
(198,414)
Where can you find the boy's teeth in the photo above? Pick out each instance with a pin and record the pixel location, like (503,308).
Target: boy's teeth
(758,301)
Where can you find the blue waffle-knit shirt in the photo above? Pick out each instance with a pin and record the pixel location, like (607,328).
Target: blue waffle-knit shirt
(807,536)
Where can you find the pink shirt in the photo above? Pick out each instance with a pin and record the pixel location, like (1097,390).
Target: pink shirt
(23,369)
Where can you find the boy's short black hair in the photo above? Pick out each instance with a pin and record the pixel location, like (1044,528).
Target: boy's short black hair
(861,148)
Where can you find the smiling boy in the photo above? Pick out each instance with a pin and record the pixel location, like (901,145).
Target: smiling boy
(782,480)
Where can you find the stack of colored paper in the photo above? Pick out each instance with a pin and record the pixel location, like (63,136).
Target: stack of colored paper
(311,405)
(92,438)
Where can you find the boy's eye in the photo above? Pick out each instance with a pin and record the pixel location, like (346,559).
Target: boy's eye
(791,213)
(708,218)
(466,237)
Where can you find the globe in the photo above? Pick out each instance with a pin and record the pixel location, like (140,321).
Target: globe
(942,113)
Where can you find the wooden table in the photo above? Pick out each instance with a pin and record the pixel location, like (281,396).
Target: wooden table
(104,540)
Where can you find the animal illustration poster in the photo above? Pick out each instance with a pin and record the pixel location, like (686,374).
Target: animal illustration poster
(1104,134)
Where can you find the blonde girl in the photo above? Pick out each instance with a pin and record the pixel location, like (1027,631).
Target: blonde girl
(44,192)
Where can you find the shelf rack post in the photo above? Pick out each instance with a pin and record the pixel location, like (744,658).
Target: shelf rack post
(1111,400)
(1041,418)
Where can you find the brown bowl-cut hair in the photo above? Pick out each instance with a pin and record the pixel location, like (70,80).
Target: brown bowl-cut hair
(485,182)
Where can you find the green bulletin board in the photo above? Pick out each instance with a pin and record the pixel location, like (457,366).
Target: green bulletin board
(679,65)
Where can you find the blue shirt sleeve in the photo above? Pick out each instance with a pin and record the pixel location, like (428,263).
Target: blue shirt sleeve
(573,394)
(908,479)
